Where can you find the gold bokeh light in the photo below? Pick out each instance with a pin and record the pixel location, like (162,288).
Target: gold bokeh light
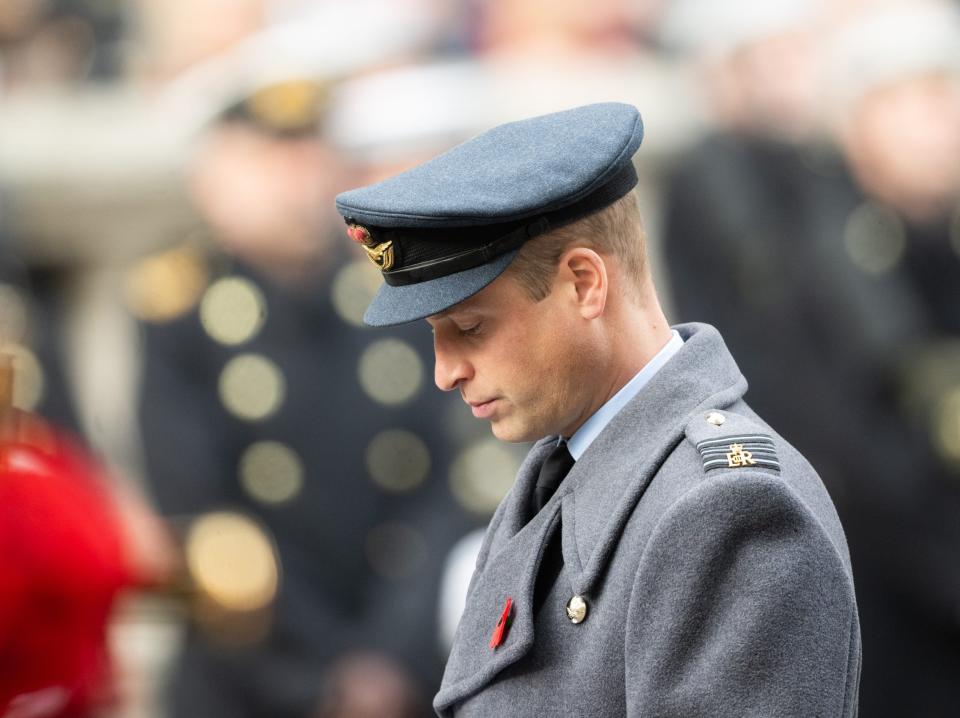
(352,290)
(232,561)
(390,372)
(13,314)
(252,387)
(233,310)
(947,426)
(482,475)
(271,472)
(164,286)
(28,376)
(398,460)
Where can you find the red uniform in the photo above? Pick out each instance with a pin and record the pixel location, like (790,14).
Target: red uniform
(61,566)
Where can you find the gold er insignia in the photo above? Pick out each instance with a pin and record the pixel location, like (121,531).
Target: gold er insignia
(739,457)
(381,255)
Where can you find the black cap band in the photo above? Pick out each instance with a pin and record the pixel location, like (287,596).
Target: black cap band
(425,254)
(467,259)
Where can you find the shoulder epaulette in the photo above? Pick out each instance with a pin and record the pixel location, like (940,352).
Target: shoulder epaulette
(730,441)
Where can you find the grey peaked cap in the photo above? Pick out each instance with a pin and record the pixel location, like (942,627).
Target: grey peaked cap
(454,223)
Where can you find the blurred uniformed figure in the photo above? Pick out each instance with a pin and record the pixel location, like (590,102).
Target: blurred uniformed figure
(835,276)
(60,44)
(319,484)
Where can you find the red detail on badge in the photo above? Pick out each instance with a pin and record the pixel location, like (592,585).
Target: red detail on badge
(360,235)
(500,630)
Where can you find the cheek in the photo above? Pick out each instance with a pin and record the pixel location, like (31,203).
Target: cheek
(554,366)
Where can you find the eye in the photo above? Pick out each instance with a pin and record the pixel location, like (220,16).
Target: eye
(471,331)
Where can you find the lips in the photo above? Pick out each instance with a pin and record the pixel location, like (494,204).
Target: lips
(482,409)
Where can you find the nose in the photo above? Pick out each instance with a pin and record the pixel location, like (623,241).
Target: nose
(450,367)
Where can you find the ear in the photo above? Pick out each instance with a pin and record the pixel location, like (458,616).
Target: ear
(586,272)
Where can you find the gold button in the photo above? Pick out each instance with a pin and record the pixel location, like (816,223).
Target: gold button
(716,418)
(577,609)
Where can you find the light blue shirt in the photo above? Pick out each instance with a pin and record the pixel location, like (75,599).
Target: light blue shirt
(592,427)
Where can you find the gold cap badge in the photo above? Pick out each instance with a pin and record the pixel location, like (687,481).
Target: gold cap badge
(381,254)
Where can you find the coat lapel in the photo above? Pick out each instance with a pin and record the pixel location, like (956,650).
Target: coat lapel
(509,573)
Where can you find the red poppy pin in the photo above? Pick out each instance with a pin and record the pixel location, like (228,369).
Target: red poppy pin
(500,630)
(360,235)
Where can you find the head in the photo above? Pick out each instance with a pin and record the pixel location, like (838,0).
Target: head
(561,27)
(260,176)
(523,249)
(517,350)
(897,114)
(758,61)
(903,143)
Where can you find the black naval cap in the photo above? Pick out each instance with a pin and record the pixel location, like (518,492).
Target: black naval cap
(444,230)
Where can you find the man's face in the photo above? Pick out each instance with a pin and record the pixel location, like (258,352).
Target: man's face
(518,363)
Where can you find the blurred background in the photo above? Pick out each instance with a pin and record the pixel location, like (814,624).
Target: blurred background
(295,509)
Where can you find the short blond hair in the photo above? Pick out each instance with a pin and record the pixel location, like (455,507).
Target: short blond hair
(616,231)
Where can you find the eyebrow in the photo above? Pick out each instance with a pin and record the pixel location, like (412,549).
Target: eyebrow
(433,318)
(450,310)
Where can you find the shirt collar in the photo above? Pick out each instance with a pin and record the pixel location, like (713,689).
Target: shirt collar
(592,427)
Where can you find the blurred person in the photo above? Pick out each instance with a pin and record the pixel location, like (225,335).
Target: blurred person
(547,31)
(60,43)
(541,57)
(263,400)
(175,35)
(747,182)
(758,66)
(847,289)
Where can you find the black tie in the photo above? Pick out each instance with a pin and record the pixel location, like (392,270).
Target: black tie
(552,471)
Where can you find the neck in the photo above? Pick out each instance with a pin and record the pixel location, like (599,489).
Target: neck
(635,332)
(639,331)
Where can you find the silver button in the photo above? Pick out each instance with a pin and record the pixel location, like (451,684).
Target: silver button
(716,418)
(577,609)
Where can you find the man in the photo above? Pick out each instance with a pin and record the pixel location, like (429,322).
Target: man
(691,562)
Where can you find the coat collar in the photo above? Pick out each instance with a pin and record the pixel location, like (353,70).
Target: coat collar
(592,506)
(701,376)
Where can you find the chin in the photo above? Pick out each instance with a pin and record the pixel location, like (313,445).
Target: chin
(514,434)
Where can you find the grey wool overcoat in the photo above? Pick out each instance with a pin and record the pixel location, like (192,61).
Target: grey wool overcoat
(714,570)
